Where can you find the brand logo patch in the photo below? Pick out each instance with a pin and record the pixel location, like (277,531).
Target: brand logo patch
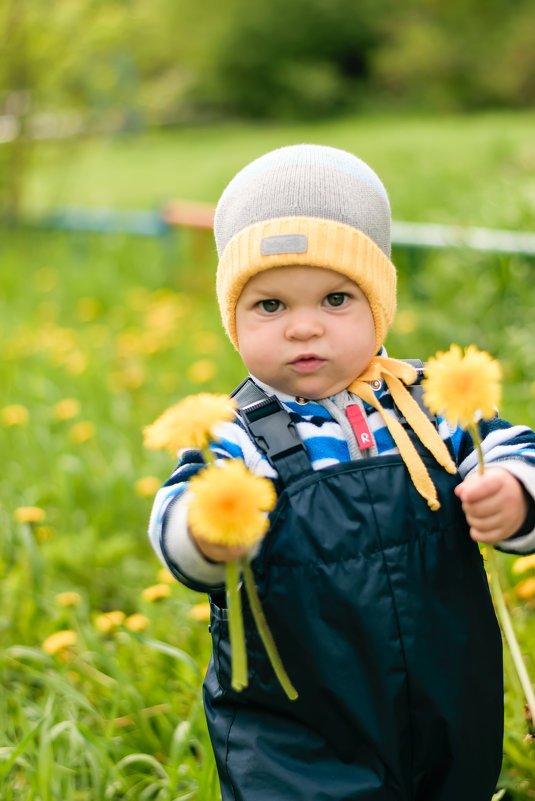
(286,243)
(360,426)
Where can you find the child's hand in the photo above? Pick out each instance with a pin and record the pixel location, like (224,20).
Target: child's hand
(218,553)
(494,503)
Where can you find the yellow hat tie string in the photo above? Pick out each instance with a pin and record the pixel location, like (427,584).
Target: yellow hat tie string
(396,374)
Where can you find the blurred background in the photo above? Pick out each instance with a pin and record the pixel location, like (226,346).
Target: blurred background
(120,124)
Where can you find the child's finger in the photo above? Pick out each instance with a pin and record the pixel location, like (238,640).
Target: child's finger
(478,487)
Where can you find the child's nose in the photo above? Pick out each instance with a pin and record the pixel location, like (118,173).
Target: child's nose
(303,325)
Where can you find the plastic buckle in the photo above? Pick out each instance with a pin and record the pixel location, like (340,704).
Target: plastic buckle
(272,429)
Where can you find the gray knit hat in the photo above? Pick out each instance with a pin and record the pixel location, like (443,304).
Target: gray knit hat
(306,205)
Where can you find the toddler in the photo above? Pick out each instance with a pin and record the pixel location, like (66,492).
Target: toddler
(370,575)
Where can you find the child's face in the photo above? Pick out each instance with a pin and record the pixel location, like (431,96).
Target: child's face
(306,331)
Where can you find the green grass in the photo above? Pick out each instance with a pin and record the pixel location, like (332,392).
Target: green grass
(82,318)
(462,170)
(127,325)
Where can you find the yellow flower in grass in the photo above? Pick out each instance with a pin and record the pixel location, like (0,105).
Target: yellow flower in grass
(189,423)
(59,641)
(165,576)
(200,611)
(66,409)
(68,598)
(29,514)
(136,622)
(462,388)
(156,592)
(82,432)
(147,486)
(201,371)
(524,563)
(14,415)
(526,589)
(229,504)
(109,621)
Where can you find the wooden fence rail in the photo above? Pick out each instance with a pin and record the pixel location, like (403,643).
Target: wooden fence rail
(200,216)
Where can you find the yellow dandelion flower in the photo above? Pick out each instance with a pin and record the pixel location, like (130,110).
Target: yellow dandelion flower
(147,486)
(29,514)
(104,624)
(200,611)
(59,641)
(156,592)
(82,432)
(14,415)
(229,504)
(68,598)
(526,589)
(117,616)
(136,622)
(201,371)
(66,409)
(463,388)
(109,620)
(524,563)
(189,423)
(132,376)
(165,577)
(164,311)
(76,362)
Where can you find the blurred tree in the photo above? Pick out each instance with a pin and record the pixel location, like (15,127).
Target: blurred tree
(73,66)
(463,54)
(293,58)
(51,66)
(16,70)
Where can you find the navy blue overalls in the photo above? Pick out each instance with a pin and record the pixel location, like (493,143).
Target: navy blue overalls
(382,614)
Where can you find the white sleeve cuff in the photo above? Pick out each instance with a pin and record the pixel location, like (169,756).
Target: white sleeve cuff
(180,550)
(526,475)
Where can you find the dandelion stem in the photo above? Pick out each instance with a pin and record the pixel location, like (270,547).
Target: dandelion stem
(208,454)
(499,600)
(509,632)
(474,433)
(235,625)
(264,631)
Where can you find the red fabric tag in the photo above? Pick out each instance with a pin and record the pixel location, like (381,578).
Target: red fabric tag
(359,426)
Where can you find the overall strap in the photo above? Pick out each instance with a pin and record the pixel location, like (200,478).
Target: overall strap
(272,430)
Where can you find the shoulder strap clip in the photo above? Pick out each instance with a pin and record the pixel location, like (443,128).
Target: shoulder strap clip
(272,429)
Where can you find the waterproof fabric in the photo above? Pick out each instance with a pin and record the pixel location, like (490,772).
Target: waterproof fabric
(383,618)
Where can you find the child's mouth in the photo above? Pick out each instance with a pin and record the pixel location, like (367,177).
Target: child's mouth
(307,363)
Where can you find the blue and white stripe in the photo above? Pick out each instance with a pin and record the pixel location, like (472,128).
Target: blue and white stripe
(512,447)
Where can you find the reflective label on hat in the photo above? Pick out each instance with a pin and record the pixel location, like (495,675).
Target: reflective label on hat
(286,243)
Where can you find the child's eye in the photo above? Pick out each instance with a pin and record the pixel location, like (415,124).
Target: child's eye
(270,305)
(336,299)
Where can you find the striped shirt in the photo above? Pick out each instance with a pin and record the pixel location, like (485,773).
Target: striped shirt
(328,437)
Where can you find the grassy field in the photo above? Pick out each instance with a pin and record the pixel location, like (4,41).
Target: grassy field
(100,334)
(464,170)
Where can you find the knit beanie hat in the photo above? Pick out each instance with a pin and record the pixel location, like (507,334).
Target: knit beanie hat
(308,205)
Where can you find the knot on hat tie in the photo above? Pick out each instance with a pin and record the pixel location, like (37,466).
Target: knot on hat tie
(397,375)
